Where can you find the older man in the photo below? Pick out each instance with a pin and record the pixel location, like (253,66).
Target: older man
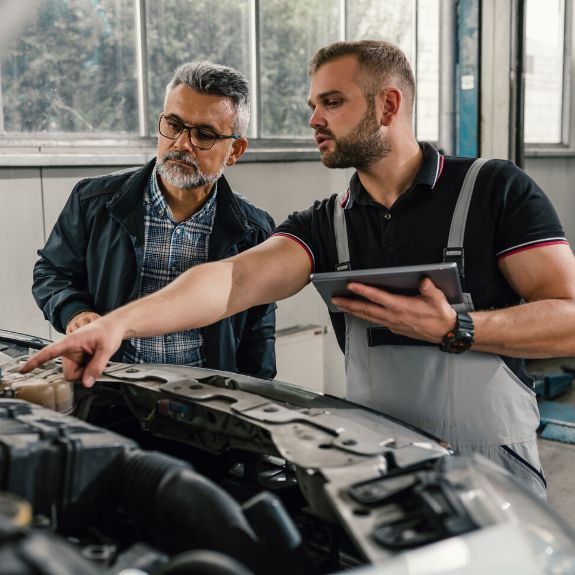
(128,234)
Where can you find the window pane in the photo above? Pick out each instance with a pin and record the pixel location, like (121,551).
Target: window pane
(544,71)
(394,21)
(290,33)
(72,70)
(183,30)
(428,70)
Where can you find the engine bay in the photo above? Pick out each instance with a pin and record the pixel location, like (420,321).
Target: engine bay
(170,469)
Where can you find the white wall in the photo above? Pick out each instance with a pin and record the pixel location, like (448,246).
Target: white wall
(31,199)
(21,233)
(556,176)
(282,189)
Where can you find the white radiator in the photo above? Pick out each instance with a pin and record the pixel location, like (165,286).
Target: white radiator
(299,355)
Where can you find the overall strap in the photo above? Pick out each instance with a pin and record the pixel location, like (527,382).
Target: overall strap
(454,250)
(340,230)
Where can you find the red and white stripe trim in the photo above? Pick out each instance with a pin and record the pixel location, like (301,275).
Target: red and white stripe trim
(302,244)
(531,245)
(438,168)
(345,200)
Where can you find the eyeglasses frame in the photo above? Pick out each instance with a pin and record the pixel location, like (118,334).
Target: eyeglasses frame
(188,128)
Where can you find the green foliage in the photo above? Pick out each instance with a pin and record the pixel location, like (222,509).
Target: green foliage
(290,33)
(73,70)
(390,20)
(182,30)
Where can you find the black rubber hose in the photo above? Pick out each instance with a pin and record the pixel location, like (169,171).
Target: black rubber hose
(182,510)
(277,531)
(202,563)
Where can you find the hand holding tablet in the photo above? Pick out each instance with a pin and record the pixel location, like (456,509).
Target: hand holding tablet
(402,280)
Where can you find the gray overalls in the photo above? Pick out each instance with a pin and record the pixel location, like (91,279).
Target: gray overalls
(473,400)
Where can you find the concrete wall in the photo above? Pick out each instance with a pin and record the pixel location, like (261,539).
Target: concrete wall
(31,199)
(557,178)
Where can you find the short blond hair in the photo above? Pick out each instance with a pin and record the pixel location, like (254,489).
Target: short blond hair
(380,62)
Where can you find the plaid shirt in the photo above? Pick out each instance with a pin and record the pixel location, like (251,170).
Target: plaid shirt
(170,249)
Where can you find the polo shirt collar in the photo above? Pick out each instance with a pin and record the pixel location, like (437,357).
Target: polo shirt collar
(428,175)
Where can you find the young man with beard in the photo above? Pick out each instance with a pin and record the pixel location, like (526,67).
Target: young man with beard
(128,234)
(400,351)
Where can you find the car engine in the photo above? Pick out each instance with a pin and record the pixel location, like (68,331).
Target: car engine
(166,470)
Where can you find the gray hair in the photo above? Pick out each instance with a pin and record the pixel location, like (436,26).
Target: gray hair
(218,80)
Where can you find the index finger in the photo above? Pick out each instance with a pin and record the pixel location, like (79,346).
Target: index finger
(51,351)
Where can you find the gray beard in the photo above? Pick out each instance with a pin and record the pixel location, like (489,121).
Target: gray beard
(182,178)
(361,148)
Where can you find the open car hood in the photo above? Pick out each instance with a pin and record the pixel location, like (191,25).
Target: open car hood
(386,487)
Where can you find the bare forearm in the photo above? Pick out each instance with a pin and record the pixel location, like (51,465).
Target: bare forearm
(205,294)
(542,328)
(532,330)
(197,298)
(273,270)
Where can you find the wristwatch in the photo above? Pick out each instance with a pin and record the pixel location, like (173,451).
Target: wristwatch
(460,338)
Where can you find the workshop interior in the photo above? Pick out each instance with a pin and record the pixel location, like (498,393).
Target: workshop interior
(165,469)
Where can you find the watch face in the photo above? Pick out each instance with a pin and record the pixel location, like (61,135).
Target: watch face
(461,338)
(460,342)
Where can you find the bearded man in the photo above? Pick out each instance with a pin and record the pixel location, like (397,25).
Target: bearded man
(128,234)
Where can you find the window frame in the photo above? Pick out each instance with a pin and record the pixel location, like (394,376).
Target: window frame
(566,147)
(26,150)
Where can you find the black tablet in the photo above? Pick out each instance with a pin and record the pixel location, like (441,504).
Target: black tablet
(399,280)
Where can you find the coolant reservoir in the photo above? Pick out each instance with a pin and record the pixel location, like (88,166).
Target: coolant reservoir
(46,386)
(53,392)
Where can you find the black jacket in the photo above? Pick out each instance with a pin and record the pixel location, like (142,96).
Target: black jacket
(93,261)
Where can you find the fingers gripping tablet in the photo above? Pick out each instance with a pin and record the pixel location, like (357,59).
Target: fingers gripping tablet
(403,280)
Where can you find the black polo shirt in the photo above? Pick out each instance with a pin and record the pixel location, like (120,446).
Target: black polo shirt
(508,213)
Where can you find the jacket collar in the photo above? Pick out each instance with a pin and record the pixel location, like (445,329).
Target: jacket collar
(127,205)
(230,223)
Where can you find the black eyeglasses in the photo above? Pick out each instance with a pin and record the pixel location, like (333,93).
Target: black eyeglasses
(201,138)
